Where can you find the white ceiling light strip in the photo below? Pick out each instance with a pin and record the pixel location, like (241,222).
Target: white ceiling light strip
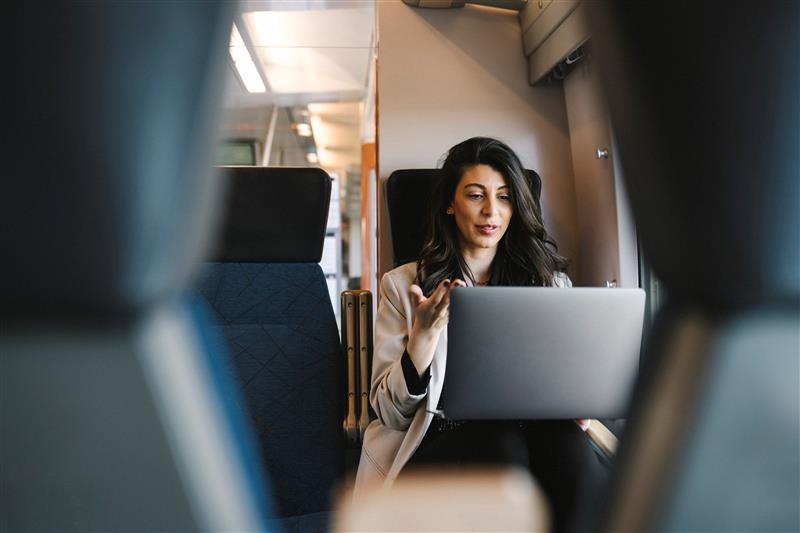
(247,70)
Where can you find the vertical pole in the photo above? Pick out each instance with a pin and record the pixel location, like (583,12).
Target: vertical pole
(270,136)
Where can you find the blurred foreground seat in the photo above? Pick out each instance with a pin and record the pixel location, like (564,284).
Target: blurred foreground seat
(114,406)
(708,145)
(479,499)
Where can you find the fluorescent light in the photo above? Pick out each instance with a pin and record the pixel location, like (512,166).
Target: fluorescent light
(244,64)
(303,129)
(312,158)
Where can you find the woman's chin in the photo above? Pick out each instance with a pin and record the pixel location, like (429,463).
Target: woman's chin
(485,243)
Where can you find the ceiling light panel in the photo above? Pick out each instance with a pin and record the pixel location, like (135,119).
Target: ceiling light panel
(245,66)
(314,70)
(313,51)
(336,127)
(331,28)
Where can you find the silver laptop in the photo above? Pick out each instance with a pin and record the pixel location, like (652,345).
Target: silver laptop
(541,353)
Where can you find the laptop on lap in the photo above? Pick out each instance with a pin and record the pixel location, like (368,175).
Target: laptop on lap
(541,352)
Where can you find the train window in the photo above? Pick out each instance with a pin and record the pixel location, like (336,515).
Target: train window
(237,152)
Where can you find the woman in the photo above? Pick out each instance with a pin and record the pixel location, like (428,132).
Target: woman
(485,228)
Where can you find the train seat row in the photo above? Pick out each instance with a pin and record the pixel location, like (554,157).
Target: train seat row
(117,411)
(270,303)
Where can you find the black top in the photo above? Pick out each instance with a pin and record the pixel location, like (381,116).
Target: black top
(415,383)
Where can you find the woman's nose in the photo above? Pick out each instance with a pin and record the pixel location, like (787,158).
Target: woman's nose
(490,206)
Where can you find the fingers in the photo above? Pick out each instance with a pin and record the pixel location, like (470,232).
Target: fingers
(444,304)
(440,292)
(440,299)
(415,292)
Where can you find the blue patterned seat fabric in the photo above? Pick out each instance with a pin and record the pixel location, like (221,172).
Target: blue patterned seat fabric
(279,324)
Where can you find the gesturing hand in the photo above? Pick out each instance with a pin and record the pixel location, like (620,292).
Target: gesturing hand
(430,317)
(431,314)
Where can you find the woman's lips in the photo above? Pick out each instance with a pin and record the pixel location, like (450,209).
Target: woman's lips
(487,229)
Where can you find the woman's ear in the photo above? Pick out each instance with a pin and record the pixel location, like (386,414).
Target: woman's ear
(450,210)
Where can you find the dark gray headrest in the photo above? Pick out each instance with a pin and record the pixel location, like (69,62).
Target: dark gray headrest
(107,190)
(274,215)
(709,144)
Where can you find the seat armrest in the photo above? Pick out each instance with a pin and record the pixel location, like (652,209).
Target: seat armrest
(356,339)
(365,342)
(349,346)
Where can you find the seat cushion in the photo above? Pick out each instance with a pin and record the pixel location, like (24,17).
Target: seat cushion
(279,324)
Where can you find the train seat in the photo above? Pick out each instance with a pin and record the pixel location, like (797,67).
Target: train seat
(713,442)
(113,410)
(270,302)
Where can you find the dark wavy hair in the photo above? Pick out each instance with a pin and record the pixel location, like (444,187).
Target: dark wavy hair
(525,255)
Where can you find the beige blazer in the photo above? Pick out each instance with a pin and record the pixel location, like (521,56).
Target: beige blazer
(403,418)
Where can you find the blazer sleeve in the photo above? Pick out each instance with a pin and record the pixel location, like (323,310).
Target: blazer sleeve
(393,403)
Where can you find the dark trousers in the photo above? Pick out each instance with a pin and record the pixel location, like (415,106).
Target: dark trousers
(557,453)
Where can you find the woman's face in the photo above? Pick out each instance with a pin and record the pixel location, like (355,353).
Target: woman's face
(481,207)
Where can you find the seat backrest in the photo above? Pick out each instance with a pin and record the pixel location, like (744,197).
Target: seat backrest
(113,410)
(713,442)
(407,194)
(271,303)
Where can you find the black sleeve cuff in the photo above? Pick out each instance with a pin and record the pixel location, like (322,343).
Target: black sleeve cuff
(415,383)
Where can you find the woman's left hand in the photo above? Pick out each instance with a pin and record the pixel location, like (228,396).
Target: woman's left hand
(583,423)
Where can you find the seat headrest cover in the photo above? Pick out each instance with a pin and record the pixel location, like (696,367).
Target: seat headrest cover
(274,215)
(711,166)
(110,210)
(407,194)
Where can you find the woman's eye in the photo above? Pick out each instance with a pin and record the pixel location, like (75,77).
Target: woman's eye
(475,196)
(505,198)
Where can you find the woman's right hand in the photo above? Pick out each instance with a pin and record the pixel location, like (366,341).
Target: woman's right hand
(430,318)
